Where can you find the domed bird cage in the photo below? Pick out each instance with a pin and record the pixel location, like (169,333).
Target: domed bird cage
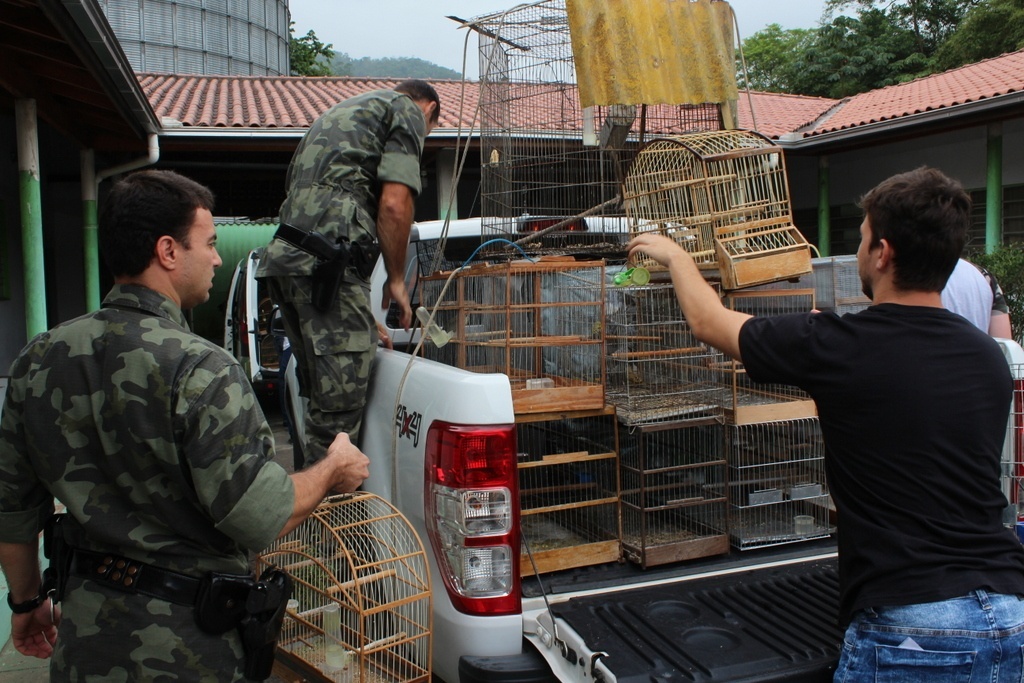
(722,196)
(361,602)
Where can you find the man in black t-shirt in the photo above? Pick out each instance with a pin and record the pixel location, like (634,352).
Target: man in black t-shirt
(913,403)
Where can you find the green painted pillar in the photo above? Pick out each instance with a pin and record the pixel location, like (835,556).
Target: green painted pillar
(994,188)
(27,127)
(89,235)
(824,209)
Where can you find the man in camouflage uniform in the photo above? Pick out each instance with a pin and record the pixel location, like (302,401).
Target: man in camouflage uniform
(153,440)
(354,175)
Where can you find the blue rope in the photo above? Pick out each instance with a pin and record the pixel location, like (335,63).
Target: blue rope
(493,241)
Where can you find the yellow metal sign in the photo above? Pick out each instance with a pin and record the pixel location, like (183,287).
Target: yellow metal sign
(653,51)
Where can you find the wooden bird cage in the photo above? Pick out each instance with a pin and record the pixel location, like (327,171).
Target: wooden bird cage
(723,196)
(541,323)
(361,602)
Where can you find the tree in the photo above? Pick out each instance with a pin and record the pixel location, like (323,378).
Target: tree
(931,21)
(988,30)
(768,55)
(309,56)
(887,42)
(853,55)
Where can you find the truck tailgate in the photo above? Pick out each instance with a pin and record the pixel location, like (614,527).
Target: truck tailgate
(772,624)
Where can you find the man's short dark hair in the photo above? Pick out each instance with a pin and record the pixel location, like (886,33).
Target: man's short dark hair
(924,215)
(140,209)
(421,91)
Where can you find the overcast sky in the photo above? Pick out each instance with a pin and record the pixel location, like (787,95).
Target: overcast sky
(418,28)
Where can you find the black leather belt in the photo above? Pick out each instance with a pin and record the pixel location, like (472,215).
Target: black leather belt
(131,576)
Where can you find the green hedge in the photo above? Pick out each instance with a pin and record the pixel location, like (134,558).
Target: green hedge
(1006,263)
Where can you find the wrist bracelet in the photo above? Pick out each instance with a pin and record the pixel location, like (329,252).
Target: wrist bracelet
(28,605)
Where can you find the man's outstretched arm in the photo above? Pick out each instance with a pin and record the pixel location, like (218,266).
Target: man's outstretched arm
(711,322)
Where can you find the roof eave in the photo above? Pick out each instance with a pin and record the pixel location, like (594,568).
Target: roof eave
(976,109)
(89,34)
(251,132)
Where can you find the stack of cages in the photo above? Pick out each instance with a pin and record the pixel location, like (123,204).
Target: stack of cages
(661,381)
(568,489)
(548,162)
(776,483)
(723,196)
(542,324)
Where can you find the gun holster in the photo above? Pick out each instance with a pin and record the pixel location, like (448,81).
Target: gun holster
(364,257)
(327,277)
(57,550)
(331,260)
(264,613)
(220,603)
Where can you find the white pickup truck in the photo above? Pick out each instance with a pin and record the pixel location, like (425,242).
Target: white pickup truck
(766,614)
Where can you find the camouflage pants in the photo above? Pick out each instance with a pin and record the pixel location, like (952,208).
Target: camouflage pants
(333,353)
(106,635)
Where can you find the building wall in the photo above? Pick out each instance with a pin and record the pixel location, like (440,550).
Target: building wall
(12,303)
(211,37)
(961,154)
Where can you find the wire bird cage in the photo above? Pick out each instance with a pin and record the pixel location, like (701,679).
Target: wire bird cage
(543,154)
(541,323)
(847,288)
(657,371)
(673,491)
(745,401)
(723,196)
(776,483)
(1013,450)
(568,490)
(361,602)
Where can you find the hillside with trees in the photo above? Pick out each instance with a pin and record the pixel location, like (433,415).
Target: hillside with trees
(868,44)
(312,57)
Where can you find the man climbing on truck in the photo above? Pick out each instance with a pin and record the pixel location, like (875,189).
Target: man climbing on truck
(913,404)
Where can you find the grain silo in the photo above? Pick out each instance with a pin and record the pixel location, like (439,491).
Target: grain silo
(211,37)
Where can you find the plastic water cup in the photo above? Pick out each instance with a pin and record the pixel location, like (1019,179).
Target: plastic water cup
(803,525)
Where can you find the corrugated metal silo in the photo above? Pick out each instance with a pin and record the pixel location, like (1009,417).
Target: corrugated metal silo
(210,37)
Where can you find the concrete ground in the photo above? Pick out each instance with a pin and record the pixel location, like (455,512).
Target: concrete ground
(16,668)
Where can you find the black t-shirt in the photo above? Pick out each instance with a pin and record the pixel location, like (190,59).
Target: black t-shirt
(913,403)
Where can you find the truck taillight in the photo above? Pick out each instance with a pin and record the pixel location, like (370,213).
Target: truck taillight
(472,512)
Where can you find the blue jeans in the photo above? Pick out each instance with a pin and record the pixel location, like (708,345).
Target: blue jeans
(978,638)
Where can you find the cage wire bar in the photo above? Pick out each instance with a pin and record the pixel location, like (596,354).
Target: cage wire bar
(656,369)
(673,491)
(1013,450)
(776,483)
(744,400)
(361,600)
(568,489)
(542,154)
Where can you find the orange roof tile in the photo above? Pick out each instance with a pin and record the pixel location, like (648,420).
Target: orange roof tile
(272,101)
(293,103)
(971,83)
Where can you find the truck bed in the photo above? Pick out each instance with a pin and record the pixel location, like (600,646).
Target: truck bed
(775,624)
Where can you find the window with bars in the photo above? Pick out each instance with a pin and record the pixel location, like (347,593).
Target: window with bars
(846,218)
(1013,215)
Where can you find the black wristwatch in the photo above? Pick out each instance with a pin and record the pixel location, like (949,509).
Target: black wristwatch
(28,605)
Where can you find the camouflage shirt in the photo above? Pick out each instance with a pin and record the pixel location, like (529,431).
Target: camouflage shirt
(150,435)
(335,174)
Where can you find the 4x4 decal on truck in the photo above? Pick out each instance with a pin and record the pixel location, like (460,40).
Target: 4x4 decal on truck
(408,424)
